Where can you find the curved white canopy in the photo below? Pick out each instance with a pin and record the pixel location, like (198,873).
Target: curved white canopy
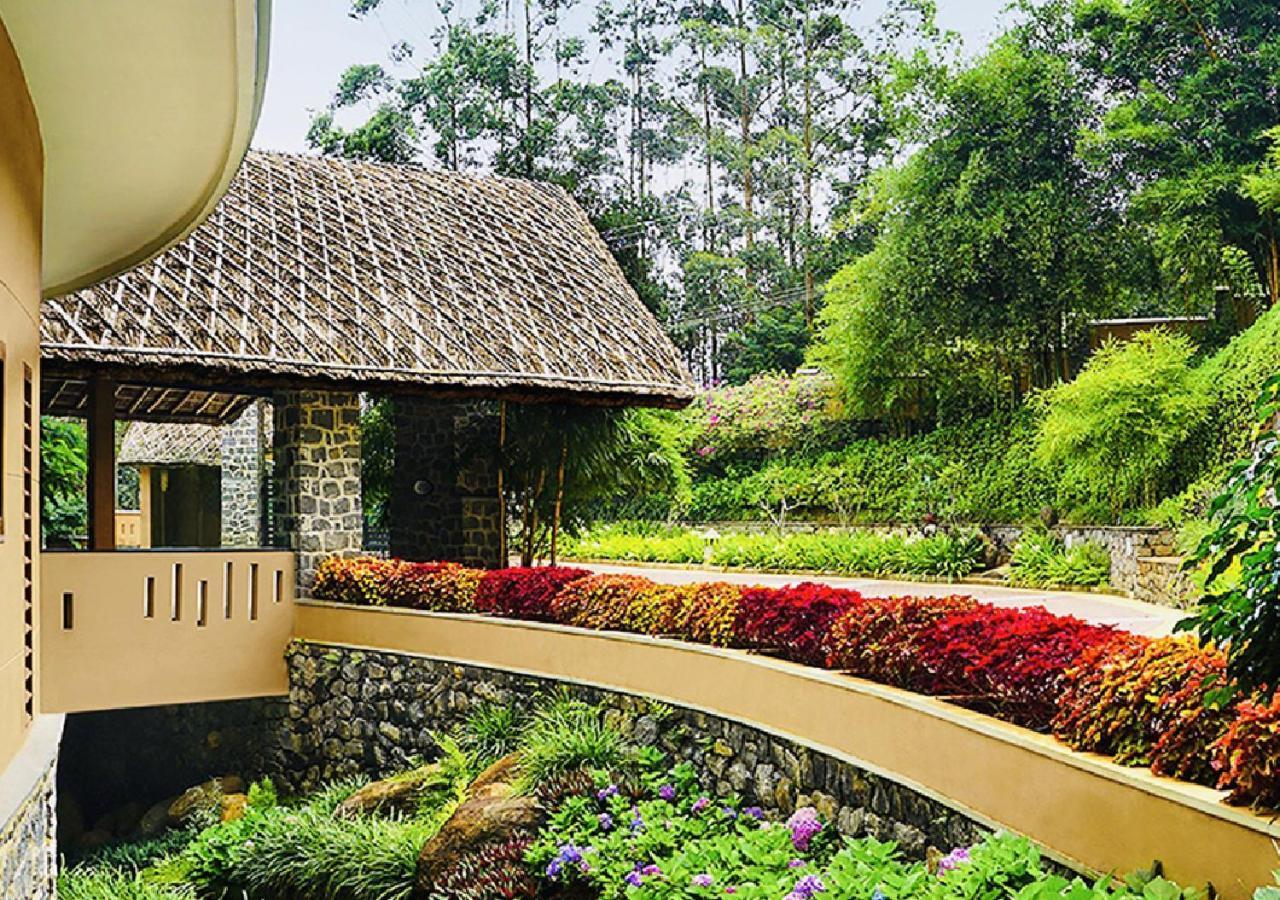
(146,109)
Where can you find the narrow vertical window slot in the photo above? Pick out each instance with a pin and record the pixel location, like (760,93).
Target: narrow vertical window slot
(175,597)
(277,587)
(228,583)
(202,603)
(68,610)
(253,592)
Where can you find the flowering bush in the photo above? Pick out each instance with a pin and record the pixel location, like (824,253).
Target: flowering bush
(795,619)
(876,638)
(524,593)
(1143,702)
(1012,660)
(1248,755)
(354,579)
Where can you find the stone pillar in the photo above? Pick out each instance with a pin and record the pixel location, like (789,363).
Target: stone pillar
(244,443)
(317,477)
(444,489)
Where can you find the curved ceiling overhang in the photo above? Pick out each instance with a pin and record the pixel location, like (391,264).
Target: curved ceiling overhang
(146,110)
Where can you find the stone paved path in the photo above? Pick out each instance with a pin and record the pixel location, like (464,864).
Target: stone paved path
(1132,615)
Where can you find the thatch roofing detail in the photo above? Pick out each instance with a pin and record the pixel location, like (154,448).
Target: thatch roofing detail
(378,277)
(167,444)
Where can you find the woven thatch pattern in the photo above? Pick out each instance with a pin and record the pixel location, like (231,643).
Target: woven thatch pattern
(164,444)
(370,274)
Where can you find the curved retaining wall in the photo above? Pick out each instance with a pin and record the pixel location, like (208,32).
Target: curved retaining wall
(1088,812)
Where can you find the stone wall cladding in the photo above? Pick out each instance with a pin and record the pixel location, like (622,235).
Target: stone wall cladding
(1161,580)
(444,498)
(1126,544)
(28,851)
(243,443)
(317,476)
(366,713)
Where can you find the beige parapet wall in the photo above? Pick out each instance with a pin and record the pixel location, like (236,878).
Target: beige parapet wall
(1083,809)
(142,628)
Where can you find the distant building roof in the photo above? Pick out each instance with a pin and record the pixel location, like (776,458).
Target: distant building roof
(170,444)
(367,276)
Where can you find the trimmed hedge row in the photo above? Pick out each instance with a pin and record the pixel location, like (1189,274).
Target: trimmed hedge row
(1144,701)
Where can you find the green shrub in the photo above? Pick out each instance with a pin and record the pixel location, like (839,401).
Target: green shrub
(1041,560)
(491,732)
(1114,430)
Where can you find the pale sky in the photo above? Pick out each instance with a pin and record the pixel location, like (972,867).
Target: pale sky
(313,41)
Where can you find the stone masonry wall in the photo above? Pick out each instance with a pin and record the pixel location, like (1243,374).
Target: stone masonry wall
(364,713)
(243,443)
(28,852)
(444,497)
(317,477)
(1126,545)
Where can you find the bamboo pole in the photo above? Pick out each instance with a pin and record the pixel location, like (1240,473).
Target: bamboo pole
(555,519)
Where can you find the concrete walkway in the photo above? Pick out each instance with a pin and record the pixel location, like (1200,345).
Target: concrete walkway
(1105,609)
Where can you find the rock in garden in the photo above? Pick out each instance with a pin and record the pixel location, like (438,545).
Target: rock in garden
(491,811)
(398,794)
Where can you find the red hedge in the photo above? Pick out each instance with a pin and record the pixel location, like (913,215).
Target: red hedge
(1010,660)
(1248,755)
(876,638)
(524,593)
(794,619)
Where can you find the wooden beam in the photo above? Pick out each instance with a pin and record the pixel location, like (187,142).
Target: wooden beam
(102,464)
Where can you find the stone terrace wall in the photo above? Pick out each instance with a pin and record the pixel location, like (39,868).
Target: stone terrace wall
(357,712)
(28,855)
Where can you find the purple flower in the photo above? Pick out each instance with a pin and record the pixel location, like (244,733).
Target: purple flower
(606,793)
(729,812)
(634,879)
(731,890)
(795,864)
(808,886)
(553,868)
(637,822)
(803,824)
(700,804)
(702,880)
(754,812)
(952,860)
(650,870)
(606,821)
(667,792)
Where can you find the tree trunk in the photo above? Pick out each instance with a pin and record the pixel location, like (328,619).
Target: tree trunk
(744,124)
(528,89)
(806,177)
(555,518)
(1273,264)
(706,140)
(502,493)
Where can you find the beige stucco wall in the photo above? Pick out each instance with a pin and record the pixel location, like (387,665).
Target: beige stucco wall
(21,189)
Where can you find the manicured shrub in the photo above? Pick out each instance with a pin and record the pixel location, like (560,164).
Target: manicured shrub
(599,601)
(1142,701)
(437,586)
(794,619)
(852,553)
(1013,661)
(637,542)
(358,580)
(876,638)
(709,612)
(1248,754)
(524,592)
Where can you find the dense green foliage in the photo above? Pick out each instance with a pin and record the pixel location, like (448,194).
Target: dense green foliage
(1115,429)
(1242,612)
(63,468)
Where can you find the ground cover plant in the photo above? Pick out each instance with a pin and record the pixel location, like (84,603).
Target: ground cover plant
(1151,702)
(1041,560)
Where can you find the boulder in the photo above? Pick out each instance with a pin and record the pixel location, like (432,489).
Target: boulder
(491,811)
(233,807)
(398,794)
(206,797)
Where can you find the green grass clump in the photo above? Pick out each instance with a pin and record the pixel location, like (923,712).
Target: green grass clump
(1040,560)
(492,731)
(565,734)
(91,881)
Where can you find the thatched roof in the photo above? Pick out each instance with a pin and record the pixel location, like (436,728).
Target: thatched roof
(164,444)
(317,271)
